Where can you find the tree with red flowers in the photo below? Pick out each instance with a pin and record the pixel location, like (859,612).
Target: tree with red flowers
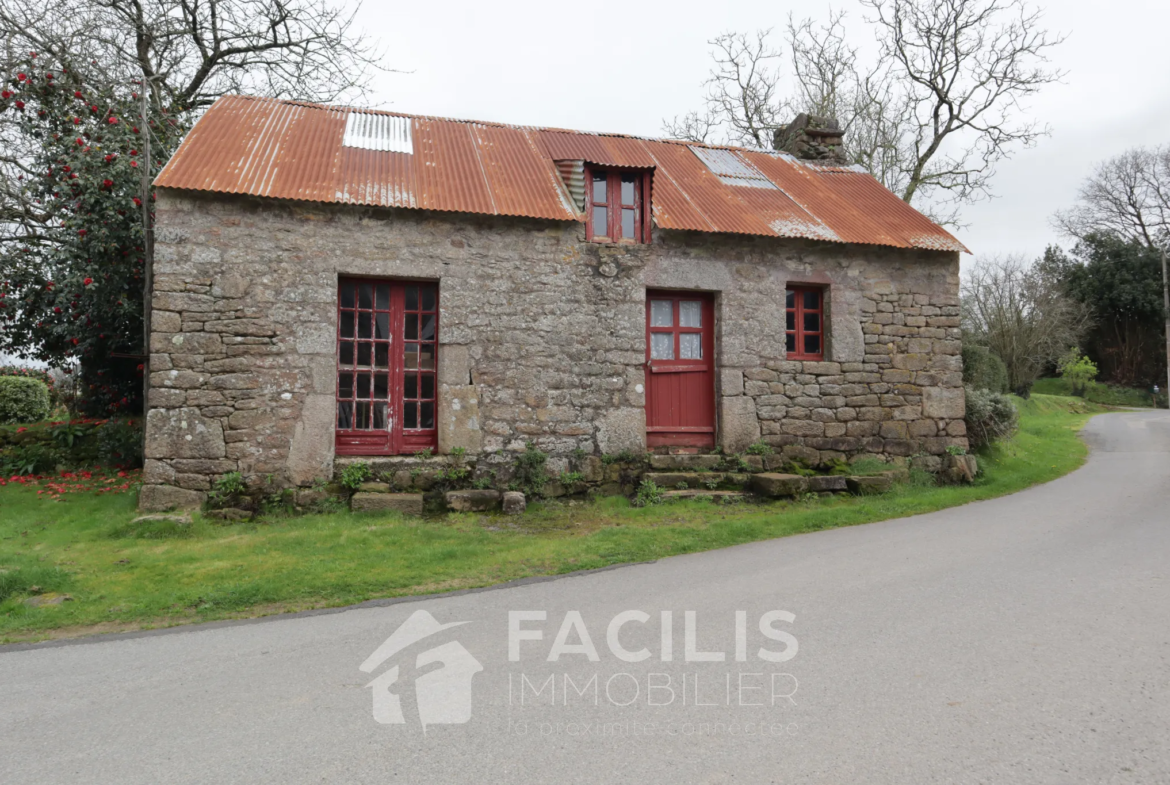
(74,249)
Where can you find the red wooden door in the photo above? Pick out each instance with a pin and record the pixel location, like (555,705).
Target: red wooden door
(680,370)
(387,342)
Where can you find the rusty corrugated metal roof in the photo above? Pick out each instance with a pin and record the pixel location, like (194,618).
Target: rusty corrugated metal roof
(294,150)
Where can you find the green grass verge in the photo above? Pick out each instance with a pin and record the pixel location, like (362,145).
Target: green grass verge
(126,577)
(1098,392)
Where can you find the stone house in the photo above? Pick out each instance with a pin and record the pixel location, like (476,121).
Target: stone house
(332,282)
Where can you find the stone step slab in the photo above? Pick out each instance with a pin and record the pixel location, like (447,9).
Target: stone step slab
(405,503)
(514,503)
(473,500)
(778,486)
(827,484)
(684,462)
(869,486)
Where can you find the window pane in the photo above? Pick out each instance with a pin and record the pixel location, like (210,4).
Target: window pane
(345,415)
(661,346)
(690,313)
(428,386)
(347,295)
(790,299)
(812,299)
(363,385)
(628,224)
(345,385)
(812,322)
(600,223)
(428,327)
(812,344)
(347,324)
(382,385)
(411,355)
(383,296)
(412,298)
(346,353)
(362,419)
(364,325)
(599,191)
(381,355)
(382,326)
(790,343)
(410,415)
(365,296)
(628,189)
(426,357)
(411,327)
(790,320)
(428,298)
(363,356)
(382,416)
(690,346)
(426,414)
(410,385)
(662,313)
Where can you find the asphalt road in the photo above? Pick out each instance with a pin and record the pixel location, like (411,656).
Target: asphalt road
(1020,640)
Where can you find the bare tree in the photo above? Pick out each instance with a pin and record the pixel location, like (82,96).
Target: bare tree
(1022,315)
(940,106)
(1128,195)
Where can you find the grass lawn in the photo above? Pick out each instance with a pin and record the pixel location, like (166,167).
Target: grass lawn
(1098,392)
(121,577)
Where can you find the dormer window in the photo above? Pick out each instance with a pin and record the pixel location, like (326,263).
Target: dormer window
(615,206)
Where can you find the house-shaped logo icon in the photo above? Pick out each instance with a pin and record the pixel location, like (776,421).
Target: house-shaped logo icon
(443,694)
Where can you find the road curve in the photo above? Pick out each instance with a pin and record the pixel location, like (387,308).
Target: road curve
(1024,639)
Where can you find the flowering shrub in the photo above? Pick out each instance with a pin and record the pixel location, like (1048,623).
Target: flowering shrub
(40,448)
(31,373)
(76,296)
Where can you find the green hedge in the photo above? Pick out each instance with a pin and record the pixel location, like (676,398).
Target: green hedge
(984,370)
(991,416)
(23,400)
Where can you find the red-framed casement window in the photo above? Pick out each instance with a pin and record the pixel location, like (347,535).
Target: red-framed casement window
(805,323)
(615,205)
(387,353)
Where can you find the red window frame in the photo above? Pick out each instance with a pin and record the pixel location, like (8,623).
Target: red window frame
(804,306)
(615,205)
(387,361)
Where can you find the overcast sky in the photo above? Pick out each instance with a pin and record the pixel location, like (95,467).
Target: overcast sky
(623,65)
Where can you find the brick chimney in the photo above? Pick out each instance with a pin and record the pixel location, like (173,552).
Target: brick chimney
(813,138)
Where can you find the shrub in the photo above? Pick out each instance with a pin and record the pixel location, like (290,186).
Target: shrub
(983,369)
(30,459)
(23,399)
(991,416)
(119,442)
(31,373)
(759,448)
(1077,370)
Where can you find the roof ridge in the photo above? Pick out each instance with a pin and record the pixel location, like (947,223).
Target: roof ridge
(494,123)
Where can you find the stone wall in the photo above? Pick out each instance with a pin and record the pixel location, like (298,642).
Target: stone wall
(541,338)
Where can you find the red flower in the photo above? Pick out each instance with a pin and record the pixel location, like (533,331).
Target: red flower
(74,341)
(88,281)
(134,163)
(57,309)
(113,121)
(21,77)
(133,152)
(49,75)
(6,94)
(77,94)
(81,232)
(137,201)
(80,141)
(20,104)
(107,183)
(77,121)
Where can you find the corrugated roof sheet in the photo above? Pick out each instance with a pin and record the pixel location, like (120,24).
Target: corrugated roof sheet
(293,150)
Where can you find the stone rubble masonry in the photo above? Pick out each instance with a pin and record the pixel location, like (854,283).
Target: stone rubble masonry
(542,338)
